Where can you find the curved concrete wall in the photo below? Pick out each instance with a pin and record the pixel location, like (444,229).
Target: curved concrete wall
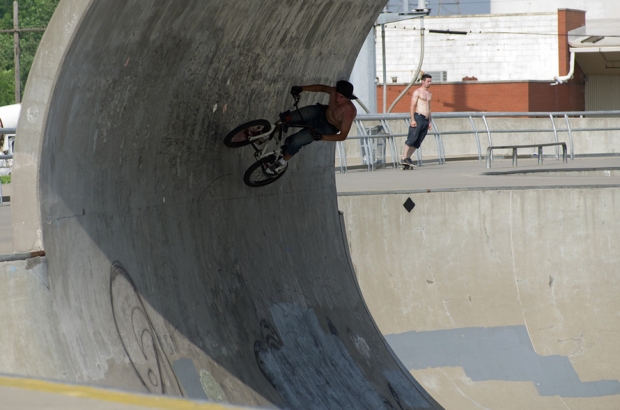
(167,274)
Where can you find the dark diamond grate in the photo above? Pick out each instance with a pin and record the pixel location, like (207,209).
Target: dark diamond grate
(409,205)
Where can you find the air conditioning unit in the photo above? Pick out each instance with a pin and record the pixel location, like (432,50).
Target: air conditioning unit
(438,76)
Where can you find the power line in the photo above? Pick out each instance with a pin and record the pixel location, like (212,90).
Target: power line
(449,10)
(509,32)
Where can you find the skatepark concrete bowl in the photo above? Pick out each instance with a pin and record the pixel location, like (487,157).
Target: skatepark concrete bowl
(502,297)
(163,272)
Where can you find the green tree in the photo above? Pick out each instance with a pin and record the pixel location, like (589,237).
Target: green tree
(32,14)
(7,87)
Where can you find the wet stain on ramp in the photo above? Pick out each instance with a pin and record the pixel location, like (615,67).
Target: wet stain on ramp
(497,353)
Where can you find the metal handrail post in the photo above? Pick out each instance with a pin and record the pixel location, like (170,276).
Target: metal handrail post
(564,153)
(371,157)
(388,129)
(570,137)
(555,137)
(477,138)
(394,151)
(540,155)
(438,141)
(489,152)
(364,143)
(339,155)
(488,157)
(342,157)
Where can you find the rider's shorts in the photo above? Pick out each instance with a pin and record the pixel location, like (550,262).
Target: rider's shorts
(314,117)
(416,135)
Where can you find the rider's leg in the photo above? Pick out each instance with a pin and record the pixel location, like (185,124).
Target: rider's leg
(312,116)
(293,143)
(305,116)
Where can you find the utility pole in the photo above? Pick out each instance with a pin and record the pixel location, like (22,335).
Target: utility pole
(18,83)
(16,30)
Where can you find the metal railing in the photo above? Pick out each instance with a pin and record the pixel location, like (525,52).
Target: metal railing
(514,149)
(3,157)
(6,131)
(366,135)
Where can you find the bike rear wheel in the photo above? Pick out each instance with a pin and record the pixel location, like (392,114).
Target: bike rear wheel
(239,136)
(256,177)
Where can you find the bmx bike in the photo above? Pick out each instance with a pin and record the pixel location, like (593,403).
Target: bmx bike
(266,139)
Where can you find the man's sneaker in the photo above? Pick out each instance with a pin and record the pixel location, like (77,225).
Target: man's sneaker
(275,168)
(407,161)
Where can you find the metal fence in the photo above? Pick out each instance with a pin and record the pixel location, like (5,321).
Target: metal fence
(370,135)
(5,131)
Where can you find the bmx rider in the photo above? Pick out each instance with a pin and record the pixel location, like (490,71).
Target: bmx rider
(327,122)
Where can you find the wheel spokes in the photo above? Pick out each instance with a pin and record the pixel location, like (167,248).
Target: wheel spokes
(248,133)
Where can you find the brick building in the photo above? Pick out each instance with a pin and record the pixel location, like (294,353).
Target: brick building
(504,63)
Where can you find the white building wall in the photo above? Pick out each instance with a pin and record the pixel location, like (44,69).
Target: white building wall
(595,9)
(495,50)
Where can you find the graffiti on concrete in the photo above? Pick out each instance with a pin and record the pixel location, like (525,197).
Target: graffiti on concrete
(313,369)
(138,335)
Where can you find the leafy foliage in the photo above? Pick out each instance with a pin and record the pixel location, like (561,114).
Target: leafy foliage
(32,14)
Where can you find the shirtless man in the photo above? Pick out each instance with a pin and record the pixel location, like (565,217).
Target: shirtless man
(328,122)
(420,111)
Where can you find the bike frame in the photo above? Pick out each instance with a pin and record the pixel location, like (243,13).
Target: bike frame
(277,127)
(262,153)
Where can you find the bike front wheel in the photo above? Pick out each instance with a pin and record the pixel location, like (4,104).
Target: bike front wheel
(240,136)
(256,176)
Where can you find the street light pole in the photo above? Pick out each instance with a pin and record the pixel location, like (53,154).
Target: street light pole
(384,67)
(385,18)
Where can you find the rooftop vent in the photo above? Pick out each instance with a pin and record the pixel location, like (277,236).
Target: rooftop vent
(438,76)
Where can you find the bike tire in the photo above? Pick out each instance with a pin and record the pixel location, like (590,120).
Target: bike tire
(239,136)
(255,177)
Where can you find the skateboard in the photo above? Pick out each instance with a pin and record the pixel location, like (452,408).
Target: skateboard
(406,167)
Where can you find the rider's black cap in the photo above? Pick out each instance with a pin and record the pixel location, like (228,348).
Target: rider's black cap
(345,88)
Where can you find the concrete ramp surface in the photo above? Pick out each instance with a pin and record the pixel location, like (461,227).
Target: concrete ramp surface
(163,272)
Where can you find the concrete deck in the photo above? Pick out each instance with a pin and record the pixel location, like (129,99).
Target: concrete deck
(472,175)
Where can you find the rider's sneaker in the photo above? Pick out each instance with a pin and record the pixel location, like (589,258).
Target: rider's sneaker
(407,161)
(277,167)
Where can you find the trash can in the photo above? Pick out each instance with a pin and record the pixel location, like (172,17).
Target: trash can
(373,147)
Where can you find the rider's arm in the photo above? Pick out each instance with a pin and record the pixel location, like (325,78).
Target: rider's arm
(317,88)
